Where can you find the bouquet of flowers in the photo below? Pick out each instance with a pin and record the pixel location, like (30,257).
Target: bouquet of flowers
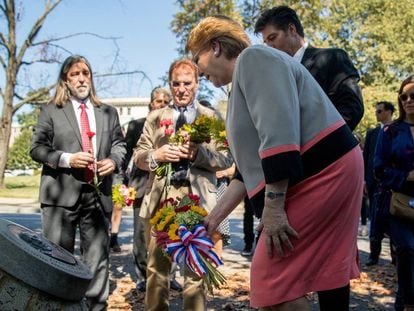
(203,129)
(122,195)
(179,231)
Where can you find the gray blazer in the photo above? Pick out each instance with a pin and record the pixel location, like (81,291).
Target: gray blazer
(202,170)
(56,132)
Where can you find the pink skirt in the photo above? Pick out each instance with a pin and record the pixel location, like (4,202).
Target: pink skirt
(324,209)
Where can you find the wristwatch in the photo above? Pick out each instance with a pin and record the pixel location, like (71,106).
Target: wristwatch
(274,195)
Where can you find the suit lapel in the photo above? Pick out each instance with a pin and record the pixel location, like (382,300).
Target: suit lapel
(99,127)
(69,112)
(307,59)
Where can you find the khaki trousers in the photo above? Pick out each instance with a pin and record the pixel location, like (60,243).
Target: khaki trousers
(158,274)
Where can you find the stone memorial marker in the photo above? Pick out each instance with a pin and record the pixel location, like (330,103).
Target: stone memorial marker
(36,274)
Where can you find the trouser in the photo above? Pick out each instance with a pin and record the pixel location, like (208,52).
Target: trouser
(158,274)
(248,223)
(402,233)
(59,225)
(139,247)
(379,209)
(335,299)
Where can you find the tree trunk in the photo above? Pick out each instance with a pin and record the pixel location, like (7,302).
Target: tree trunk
(5,131)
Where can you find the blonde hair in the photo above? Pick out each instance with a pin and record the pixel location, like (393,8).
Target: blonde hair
(229,33)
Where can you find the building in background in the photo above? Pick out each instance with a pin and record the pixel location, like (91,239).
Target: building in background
(130,108)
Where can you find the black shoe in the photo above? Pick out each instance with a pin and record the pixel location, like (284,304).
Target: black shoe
(174,285)
(371,262)
(142,286)
(113,243)
(248,251)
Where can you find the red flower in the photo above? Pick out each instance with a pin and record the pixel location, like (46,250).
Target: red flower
(169,200)
(195,198)
(90,134)
(182,209)
(169,131)
(166,122)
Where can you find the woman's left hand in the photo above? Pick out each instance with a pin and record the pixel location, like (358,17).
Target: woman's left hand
(277,230)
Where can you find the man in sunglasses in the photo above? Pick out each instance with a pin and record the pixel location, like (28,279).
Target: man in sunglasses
(377,197)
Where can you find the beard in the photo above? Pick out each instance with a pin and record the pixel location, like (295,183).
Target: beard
(80,93)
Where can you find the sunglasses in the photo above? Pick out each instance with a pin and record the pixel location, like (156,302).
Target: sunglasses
(404,97)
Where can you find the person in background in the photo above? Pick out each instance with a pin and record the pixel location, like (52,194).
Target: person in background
(223,179)
(298,162)
(116,218)
(364,204)
(77,138)
(394,168)
(378,198)
(194,165)
(332,68)
(248,229)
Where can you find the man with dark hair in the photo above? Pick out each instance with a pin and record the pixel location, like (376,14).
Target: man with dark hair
(377,197)
(78,140)
(331,68)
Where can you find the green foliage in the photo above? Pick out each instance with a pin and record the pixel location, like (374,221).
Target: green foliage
(18,156)
(375,33)
(28,119)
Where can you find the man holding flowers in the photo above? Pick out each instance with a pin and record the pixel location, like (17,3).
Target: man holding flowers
(79,141)
(192,170)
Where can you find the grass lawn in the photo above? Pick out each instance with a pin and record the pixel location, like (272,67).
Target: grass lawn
(21,187)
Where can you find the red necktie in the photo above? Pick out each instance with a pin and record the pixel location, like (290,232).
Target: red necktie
(86,140)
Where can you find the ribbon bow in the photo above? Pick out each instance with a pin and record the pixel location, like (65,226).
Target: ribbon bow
(191,246)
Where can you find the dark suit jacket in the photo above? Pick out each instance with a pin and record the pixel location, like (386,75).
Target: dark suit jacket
(338,77)
(56,132)
(137,178)
(369,153)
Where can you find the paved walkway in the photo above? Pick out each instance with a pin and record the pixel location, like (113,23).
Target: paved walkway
(373,294)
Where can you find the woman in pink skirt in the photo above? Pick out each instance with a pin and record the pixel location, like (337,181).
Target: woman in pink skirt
(297,161)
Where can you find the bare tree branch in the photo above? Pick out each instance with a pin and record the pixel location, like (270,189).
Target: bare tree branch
(125,73)
(33,97)
(45,61)
(2,62)
(35,30)
(2,7)
(48,41)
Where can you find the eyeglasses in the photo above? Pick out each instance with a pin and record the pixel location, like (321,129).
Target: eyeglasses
(404,97)
(378,111)
(187,84)
(160,101)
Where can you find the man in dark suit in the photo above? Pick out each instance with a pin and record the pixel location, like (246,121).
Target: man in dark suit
(331,68)
(80,144)
(383,113)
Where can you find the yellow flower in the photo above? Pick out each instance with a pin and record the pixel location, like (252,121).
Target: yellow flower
(199,210)
(222,134)
(166,221)
(156,217)
(172,232)
(132,193)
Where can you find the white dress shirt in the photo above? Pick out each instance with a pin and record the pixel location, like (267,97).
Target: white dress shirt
(299,53)
(65,157)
